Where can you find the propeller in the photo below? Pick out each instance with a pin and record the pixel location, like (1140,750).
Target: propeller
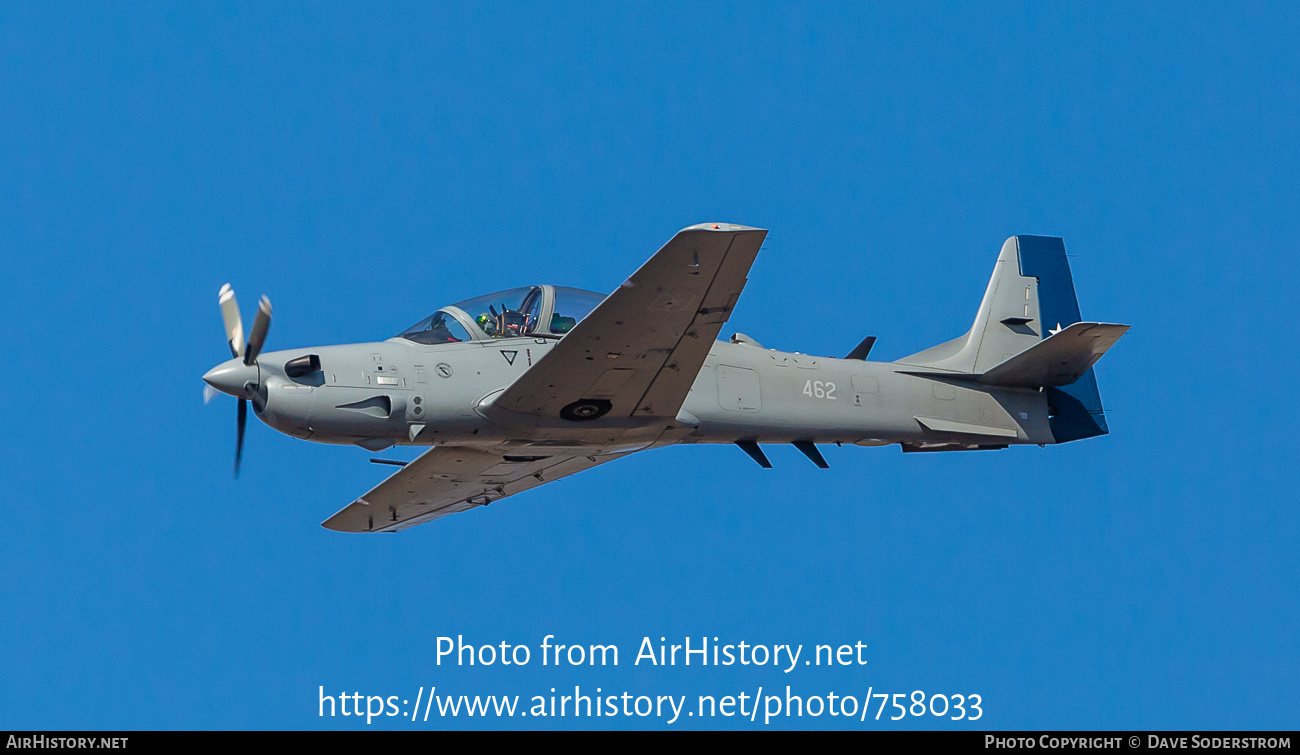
(227,377)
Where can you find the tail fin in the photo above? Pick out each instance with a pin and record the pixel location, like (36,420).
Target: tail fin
(1029,298)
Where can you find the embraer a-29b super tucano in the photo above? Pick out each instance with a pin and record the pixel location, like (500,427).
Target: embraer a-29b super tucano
(526,386)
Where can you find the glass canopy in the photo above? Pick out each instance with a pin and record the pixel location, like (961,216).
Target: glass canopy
(571,305)
(531,311)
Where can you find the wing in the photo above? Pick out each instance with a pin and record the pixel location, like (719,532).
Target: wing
(641,349)
(446,480)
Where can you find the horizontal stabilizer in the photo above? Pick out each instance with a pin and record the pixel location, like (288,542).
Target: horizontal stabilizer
(1059,359)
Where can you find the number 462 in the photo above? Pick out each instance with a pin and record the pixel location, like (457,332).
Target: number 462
(818,389)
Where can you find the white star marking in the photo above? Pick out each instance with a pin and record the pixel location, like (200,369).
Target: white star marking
(1058,329)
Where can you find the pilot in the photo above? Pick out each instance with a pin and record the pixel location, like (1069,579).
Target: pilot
(504,324)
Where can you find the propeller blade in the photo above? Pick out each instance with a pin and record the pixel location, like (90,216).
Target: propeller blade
(230,318)
(257,337)
(209,393)
(239,434)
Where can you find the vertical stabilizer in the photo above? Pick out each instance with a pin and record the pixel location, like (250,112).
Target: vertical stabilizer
(1076,408)
(1030,297)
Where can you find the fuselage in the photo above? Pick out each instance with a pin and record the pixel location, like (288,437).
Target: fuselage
(398,392)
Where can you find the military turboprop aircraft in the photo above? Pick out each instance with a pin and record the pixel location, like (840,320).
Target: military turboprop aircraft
(523,387)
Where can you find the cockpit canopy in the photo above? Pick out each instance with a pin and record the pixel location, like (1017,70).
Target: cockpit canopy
(541,311)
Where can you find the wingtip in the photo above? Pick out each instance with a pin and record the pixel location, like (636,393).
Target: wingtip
(728,227)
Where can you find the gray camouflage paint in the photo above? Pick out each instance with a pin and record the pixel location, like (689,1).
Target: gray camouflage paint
(398,392)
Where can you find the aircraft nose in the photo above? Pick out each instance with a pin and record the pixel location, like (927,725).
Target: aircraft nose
(230,377)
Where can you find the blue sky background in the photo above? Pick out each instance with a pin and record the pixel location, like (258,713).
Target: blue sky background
(364,165)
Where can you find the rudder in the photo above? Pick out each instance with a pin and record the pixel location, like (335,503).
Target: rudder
(1075,409)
